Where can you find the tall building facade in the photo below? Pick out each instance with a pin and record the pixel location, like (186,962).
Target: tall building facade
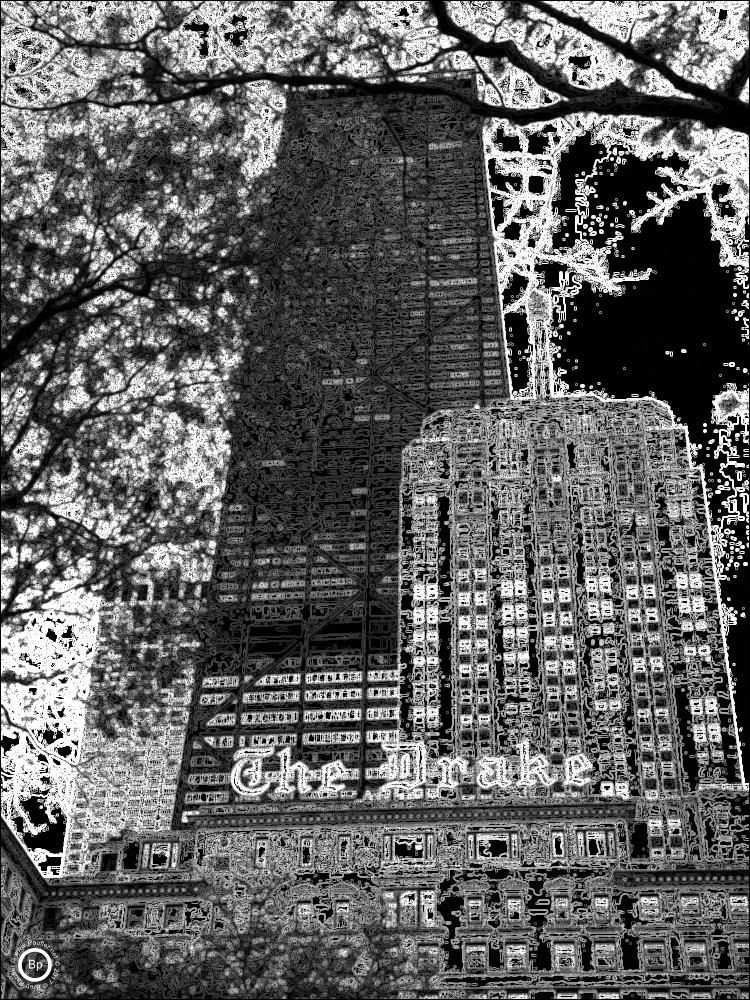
(558,587)
(380,305)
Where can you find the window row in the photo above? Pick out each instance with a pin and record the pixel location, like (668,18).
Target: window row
(606,955)
(690,907)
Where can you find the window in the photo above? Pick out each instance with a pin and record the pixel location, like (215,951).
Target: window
(414,847)
(135,916)
(344,852)
(475,958)
(304,915)
(390,905)
(428,957)
(743,952)
(131,856)
(558,844)
(306,852)
(174,917)
(654,955)
(515,908)
(160,856)
(516,957)
(649,907)
(342,913)
(411,848)
(695,955)
(407,909)
(261,852)
(404,908)
(596,843)
(605,955)
(563,955)
(690,906)
(109,862)
(51,918)
(561,907)
(499,846)
(474,910)
(601,907)
(738,908)
(427,908)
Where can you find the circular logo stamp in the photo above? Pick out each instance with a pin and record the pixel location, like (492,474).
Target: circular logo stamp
(35,965)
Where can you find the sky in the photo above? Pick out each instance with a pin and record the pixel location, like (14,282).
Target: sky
(677,336)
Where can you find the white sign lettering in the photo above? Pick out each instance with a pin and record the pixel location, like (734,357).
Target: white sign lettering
(406,770)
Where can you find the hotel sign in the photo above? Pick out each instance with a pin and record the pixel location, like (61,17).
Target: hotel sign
(407,769)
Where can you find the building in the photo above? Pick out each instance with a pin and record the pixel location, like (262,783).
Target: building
(136,715)
(23,889)
(558,586)
(524,899)
(382,306)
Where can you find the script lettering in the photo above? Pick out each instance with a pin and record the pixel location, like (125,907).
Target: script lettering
(533,769)
(492,772)
(330,778)
(406,762)
(576,767)
(246,776)
(298,773)
(448,768)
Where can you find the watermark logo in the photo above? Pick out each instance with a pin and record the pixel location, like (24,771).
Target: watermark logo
(35,965)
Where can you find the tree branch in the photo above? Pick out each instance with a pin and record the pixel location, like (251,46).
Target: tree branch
(636,55)
(549,78)
(615,99)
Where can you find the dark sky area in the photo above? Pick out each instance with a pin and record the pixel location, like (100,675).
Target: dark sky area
(672,336)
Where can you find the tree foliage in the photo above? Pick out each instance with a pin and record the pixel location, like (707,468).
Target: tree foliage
(256,950)
(133,215)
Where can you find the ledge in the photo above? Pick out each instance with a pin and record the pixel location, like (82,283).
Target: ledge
(330,814)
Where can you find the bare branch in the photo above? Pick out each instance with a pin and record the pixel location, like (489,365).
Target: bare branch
(636,55)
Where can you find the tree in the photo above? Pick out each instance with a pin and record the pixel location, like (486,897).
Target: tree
(123,117)
(119,277)
(670,75)
(667,61)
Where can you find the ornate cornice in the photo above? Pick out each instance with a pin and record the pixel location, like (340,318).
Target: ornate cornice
(329,814)
(682,875)
(69,891)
